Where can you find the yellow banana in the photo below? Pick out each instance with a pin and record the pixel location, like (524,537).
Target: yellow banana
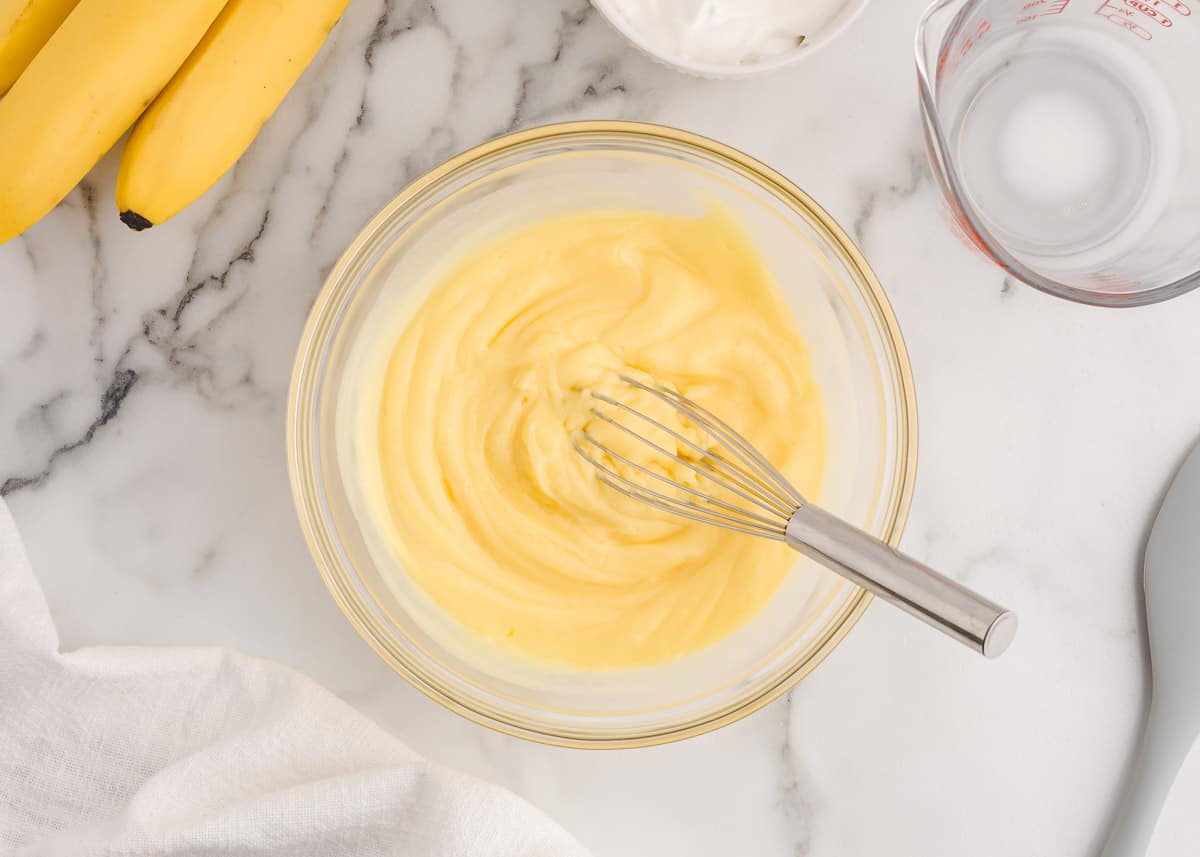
(89,83)
(214,107)
(26,25)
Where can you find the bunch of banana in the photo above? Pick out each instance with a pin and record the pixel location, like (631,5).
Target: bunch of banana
(203,75)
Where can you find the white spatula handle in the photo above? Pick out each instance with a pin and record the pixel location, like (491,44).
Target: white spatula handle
(1164,747)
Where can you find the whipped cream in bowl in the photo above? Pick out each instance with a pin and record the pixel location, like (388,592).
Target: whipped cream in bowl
(729,38)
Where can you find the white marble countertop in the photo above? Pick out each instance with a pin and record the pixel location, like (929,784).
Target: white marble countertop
(143,382)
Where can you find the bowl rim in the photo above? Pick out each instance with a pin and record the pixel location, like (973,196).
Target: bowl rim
(850,13)
(303,382)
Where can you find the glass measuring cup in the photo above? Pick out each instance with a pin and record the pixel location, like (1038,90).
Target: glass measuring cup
(1065,136)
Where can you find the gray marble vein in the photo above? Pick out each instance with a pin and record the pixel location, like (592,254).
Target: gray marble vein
(143,386)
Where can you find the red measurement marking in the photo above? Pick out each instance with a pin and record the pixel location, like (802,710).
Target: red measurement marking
(1107,283)
(965,232)
(1122,17)
(1035,9)
(1173,5)
(1150,12)
(956,52)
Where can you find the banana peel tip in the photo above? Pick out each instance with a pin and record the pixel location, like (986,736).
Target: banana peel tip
(135,221)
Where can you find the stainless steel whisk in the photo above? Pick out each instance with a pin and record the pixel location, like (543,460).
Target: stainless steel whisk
(763,503)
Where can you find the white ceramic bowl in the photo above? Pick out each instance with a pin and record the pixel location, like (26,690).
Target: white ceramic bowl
(812,42)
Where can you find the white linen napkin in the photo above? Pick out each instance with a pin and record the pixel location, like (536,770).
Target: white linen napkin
(201,752)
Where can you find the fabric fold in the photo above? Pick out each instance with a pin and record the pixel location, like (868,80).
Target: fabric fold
(180,751)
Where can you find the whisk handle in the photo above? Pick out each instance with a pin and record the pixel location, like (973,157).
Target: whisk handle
(912,586)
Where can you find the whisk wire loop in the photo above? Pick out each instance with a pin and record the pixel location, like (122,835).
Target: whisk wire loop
(692,512)
(726,478)
(614,479)
(722,431)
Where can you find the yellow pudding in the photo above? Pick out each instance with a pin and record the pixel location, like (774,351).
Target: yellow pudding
(489,508)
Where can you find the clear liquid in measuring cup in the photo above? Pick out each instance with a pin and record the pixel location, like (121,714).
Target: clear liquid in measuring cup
(1064,142)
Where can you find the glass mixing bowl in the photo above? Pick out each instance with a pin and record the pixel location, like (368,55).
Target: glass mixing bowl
(858,357)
